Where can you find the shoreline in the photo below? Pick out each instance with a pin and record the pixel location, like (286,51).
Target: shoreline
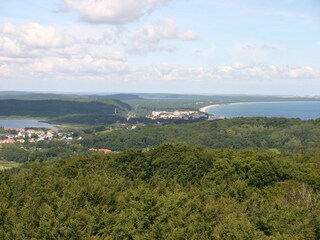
(27,123)
(278,112)
(204,109)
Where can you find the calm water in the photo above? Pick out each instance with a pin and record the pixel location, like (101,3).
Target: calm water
(25,123)
(303,110)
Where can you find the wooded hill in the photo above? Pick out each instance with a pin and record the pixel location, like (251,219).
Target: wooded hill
(63,96)
(54,108)
(168,192)
(237,133)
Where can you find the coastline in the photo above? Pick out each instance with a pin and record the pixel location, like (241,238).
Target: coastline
(269,110)
(204,109)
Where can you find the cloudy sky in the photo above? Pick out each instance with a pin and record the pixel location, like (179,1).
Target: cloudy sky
(172,46)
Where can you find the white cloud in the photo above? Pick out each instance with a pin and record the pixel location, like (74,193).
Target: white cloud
(152,35)
(69,67)
(113,11)
(166,29)
(10,46)
(235,73)
(266,72)
(157,37)
(302,72)
(37,35)
(33,41)
(113,66)
(38,51)
(41,52)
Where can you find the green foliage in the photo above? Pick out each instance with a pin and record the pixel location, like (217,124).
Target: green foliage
(54,108)
(238,133)
(90,119)
(173,191)
(40,151)
(181,163)
(13,152)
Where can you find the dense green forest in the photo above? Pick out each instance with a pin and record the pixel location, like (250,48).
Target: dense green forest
(89,119)
(167,192)
(276,134)
(54,108)
(237,133)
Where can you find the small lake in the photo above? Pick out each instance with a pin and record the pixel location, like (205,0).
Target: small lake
(25,123)
(302,110)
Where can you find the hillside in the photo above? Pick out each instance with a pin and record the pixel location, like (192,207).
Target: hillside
(54,108)
(169,192)
(120,96)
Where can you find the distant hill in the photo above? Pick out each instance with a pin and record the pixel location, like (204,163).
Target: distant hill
(55,96)
(54,108)
(36,96)
(10,93)
(120,96)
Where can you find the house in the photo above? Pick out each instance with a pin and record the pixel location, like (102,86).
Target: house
(104,150)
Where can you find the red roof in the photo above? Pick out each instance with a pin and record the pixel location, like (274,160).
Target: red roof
(104,150)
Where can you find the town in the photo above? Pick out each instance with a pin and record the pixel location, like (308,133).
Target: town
(183,115)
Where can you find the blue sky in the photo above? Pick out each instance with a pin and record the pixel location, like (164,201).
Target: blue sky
(182,46)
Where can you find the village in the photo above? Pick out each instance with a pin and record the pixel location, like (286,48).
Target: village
(22,135)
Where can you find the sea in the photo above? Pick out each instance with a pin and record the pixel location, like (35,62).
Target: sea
(304,110)
(25,123)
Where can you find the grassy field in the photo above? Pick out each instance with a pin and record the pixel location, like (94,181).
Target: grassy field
(7,165)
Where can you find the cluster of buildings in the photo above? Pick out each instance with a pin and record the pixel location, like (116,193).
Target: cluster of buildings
(178,114)
(21,135)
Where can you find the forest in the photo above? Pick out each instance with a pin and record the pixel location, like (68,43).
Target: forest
(173,191)
(241,178)
(55,108)
(238,133)
(274,134)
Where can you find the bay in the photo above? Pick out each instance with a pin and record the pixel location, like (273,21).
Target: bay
(298,109)
(25,123)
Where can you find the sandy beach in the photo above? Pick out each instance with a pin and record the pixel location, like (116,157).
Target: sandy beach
(204,109)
